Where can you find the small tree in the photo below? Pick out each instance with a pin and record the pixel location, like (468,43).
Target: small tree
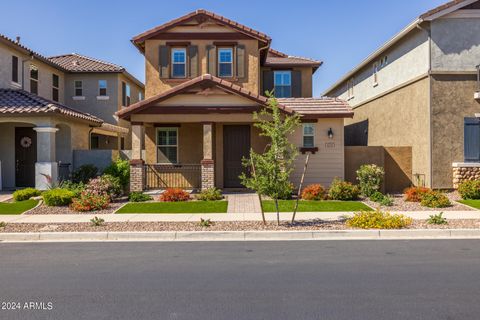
(274,166)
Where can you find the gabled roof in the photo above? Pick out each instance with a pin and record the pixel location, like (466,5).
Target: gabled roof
(279,59)
(307,107)
(427,16)
(200,15)
(21,102)
(78,63)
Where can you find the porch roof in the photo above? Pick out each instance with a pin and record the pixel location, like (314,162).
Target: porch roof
(307,107)
(21,102)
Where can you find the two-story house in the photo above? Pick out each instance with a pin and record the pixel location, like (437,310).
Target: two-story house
(419,90)
(205,76)
(50,107)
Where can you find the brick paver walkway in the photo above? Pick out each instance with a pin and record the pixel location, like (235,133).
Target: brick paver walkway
(243,203)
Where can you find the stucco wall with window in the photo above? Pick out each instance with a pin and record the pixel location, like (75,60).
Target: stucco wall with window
(306,79)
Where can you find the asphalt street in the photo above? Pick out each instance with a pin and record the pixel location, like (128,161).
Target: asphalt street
(241,280)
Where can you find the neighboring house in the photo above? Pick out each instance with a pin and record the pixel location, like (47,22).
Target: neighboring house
(100,88)
(205,76)
(40,130)
(418,90)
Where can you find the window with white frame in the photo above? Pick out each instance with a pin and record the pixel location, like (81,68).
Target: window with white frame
(167,145)
(102,88)
(308,135)
(78,86)
(179,62)
(140,96)
(225,62)
(282,83)
(375,73)
(55,86)
(33,79)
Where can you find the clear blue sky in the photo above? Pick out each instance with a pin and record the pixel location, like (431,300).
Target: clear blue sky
(339,32)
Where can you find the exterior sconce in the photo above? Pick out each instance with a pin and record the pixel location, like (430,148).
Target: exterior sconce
(330,133)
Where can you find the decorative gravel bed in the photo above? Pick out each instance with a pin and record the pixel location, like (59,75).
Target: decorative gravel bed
(44,209)
(219,226)
(399,204)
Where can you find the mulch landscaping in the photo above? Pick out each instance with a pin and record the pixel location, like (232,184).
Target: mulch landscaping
(217,226)
(44,209)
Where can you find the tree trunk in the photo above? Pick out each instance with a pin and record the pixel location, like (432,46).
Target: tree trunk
(300,187)
(278,211)
(258,193)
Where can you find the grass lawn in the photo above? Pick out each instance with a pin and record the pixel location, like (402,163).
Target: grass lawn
(176,207)
(472,203)
(315,206)
(17,207)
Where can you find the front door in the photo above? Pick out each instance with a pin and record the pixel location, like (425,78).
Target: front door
(236,146)
(25,156)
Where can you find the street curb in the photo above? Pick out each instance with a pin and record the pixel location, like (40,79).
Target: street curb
(413,234)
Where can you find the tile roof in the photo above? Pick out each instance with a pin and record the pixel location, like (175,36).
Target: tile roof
(324,107)
(308,107)
(201,13)
(17,101)
(75,62)
(279,59)
(441,8)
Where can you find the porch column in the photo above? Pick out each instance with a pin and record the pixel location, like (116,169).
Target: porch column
(137,170)
(46,167)
(207,163)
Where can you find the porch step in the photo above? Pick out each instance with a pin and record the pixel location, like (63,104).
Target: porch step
(243,203)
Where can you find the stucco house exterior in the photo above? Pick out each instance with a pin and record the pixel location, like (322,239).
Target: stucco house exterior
(419,90)
(40,129)
(205,76)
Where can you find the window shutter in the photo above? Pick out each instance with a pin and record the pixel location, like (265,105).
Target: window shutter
(267,81)
(211,60)
(193,58)
(241,63)
(124,94)
(296,84)
(471,140)
(163,62)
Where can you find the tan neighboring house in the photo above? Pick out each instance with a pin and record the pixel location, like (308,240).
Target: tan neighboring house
(205,76)
(420,90)
(40,129)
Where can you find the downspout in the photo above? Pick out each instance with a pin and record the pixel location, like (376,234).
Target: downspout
(259,65)
(23,70)
(90,138)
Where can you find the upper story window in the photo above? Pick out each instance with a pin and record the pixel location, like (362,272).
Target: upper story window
(78,88)
(55,86)
(102,88)
(282,84)
(179,62)
(15,69)
(225,62)
(33,79)
(125,94)
(375,73)
(308,135)
(140,96)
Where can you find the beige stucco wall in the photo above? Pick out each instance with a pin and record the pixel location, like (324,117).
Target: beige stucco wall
(401,119)
(155,85)
(452,101)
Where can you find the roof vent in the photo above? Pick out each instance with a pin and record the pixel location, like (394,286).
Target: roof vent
(17,39)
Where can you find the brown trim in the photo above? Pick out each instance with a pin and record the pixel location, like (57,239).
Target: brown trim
(136,162)
(207,161)
(136,123)
(309,120)
(167,125)
(329,115)
(198,110)
(225,43)
(208,122)
(311,150)
(178,43)
(201,36)
(175,80)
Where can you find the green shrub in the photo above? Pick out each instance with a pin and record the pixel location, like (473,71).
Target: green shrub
(139,197)
(384,200)
(435,199)
(377,196)
(470,190)
(75,187)
(210,194)
(25,194)
(437,219)
(85,173)
(58,197)
(119,169)
(97,222)
(387,201)
(105,185)
(370,178)
(378,220)
(3,224)
(205,223)
(342,190)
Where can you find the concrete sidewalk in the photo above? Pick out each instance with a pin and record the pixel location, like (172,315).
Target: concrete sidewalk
(65,218)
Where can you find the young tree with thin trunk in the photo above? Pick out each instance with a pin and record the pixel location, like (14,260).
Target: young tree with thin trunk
(274,166)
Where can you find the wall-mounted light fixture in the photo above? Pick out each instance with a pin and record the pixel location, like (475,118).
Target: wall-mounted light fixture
(330,133)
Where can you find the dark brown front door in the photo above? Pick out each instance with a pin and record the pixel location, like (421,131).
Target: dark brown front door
(236,146)
(25,156)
